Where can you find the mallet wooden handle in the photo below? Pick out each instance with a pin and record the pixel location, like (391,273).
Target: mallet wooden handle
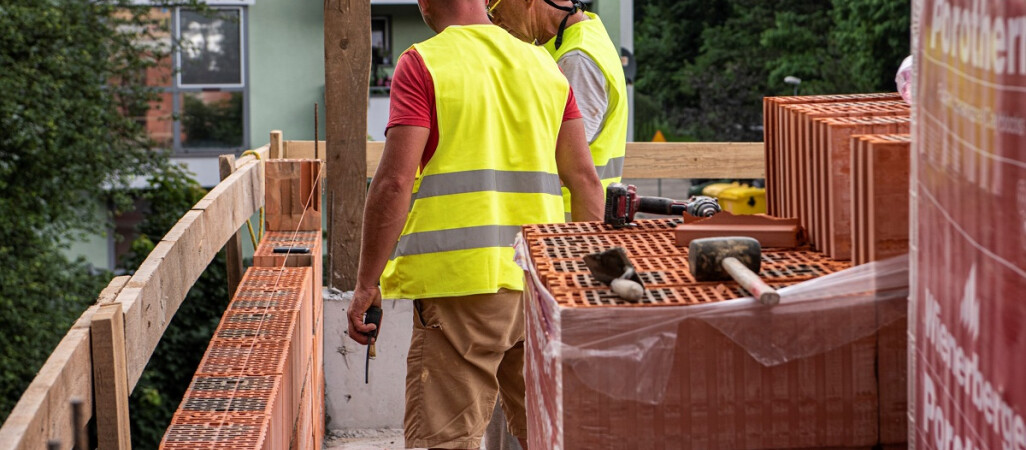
(627,289)
(751,281)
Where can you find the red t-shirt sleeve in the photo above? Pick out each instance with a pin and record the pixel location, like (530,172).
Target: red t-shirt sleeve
(412,100)
(572,111)
(412,93)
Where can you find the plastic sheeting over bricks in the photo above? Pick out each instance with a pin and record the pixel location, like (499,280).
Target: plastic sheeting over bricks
(693,365)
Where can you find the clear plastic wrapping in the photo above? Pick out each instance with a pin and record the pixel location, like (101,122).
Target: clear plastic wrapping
(629,354)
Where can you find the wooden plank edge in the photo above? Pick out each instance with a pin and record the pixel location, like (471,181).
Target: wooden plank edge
(709,159)
(39,415)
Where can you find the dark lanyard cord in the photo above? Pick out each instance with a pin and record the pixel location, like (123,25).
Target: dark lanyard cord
(576,6)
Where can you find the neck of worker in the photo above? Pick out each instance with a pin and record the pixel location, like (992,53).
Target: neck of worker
(547,25)
(464,16)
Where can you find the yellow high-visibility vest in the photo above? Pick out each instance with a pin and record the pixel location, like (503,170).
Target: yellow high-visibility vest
(609,145)
(499,103)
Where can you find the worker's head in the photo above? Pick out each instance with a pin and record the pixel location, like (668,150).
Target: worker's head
(439,14)
(532,21)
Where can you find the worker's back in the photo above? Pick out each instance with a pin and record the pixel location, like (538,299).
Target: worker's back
(499,105)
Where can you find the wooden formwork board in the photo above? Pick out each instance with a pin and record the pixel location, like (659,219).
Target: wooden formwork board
(158,287)
(44,410)
(643,159)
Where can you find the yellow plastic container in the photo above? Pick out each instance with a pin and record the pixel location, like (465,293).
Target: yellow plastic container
(713,190)
(743,200)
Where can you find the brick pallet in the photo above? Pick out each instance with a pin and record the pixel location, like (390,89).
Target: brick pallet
(717,395)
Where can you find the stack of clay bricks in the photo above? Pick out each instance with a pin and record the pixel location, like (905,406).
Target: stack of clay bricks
(810,170)
(260,384)
(716,394)
(558,249)
(880,191)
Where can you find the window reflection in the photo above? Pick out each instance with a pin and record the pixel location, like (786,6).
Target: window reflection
(211,48)
(212,119)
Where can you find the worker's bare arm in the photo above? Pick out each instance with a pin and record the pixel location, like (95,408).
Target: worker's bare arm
(577,172)
(388,202)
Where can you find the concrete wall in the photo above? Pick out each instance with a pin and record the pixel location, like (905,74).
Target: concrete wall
(350,403)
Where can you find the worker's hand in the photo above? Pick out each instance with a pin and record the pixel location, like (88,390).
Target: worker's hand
(363,298)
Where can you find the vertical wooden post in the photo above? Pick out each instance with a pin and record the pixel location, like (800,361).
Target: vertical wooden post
(346,76)
(276,145)
(233,248)
(110,378)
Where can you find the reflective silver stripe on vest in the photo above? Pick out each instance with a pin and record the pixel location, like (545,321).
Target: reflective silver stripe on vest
(456,239)
(488,180)
(612,169)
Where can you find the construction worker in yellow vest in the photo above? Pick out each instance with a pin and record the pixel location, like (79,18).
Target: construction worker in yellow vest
(582,48)
(483,130)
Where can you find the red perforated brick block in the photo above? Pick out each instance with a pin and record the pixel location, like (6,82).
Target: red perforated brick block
(579,228)
(662,266)
(219,430)
(272,325)
(245,357)
(293,194)
(265,257)
(255,358)
(775,126)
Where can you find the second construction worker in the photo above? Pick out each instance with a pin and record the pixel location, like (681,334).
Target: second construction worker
(483,129)
(583,50)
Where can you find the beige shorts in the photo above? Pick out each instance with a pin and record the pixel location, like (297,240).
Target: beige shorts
(464,352)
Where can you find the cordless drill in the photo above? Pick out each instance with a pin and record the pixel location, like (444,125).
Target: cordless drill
(622,202)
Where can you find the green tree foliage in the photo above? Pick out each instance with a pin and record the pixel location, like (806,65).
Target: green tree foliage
(176,358)
(72,84)
(64,147)
(704,66)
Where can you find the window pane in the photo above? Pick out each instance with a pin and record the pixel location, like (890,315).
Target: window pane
(211,47)
(212,119)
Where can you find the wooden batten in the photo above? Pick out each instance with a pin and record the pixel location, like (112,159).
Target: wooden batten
(158,287)
(110,373)
(643,160)
(232,249)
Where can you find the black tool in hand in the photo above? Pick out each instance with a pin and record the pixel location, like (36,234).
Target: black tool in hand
(373,315)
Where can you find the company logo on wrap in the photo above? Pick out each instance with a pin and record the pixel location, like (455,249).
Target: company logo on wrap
(970,309)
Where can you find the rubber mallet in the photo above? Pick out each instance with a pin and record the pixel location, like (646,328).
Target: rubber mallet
(738,258)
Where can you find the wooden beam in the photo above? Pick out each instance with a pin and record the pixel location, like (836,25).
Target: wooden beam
(643,160)
(233,249)
(276,148)
(156,290)
(44,413)
(110,377)
(694,160)
(346,71)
